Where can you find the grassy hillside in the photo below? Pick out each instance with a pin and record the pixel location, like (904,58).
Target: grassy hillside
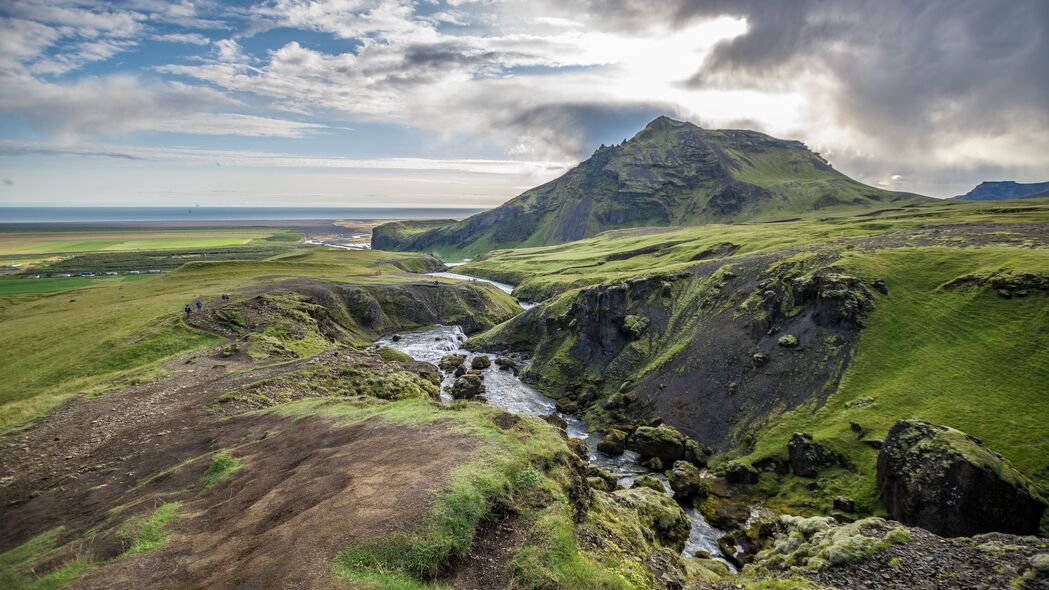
(939,312)
(670,173)
(77,341)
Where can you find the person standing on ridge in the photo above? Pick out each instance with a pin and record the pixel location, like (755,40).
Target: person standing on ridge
(199,305)
(189,310)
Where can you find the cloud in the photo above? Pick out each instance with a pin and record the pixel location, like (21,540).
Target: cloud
(188,38)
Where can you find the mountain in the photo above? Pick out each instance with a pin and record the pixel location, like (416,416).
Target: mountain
(998,190)
(670,173)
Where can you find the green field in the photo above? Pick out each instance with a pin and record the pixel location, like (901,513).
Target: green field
(17,242)
(43,286)
(55,345)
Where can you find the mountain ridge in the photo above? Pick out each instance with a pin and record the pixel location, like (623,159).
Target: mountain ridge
(670,173)
(1000,190)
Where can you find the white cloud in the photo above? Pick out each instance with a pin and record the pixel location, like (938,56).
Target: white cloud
(188,38)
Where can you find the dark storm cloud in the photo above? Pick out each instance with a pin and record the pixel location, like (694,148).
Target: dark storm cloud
(905,71)
(575,128)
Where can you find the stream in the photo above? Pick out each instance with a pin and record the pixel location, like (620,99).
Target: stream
(503,389)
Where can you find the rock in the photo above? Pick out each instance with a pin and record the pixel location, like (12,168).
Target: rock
(807,457)
(740,473)
(736,547)
(844,504)
(950,483)
(696,454)
(396,338)
(601,485)
(634,326)
(860,432)
(661,441)
(613,442)
(480,362)
(774,464)
(659,513)
(609,479)
(555,419)
(460,371)
(626,386)
(759,359)
(686,482)
(647,481)
(506,363)
(567,405)
(467,386)
(451,362)
(873,443)
(655,464)
(788,341)
(880,286)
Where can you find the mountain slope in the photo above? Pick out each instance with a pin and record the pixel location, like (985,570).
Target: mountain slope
(1005,189)
(670,173)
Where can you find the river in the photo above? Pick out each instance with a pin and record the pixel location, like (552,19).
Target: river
(503,389)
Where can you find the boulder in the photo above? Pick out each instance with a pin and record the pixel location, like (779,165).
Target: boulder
(788,341)
(634,326)
(759,359)
(480,362)
(687,482)
(662,441)
(506,363)
(467,386)
(807,456)
(950,483)
(556,420)
(658,513)
(655,464)
(613,442)
(844,504)
(740,473)
(696,454)
(451,362)
(460,371)
(608,480)
(647,481)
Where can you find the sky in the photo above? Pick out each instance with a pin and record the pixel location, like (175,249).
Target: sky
(466,103)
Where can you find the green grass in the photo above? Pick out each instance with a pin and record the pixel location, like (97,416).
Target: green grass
(62,344)
(149,533)
(222,466)
(20,242)
(544,271)
(47,286)
(964,358)
(16,564)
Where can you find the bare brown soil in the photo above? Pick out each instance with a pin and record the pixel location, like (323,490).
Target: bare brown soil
(308,487)
(488,565)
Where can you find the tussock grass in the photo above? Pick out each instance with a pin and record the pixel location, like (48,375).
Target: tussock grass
(223,465)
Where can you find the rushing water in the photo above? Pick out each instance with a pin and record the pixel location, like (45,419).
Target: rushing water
(503,389)
(508,289)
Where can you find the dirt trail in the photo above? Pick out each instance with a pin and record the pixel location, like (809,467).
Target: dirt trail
(307,489)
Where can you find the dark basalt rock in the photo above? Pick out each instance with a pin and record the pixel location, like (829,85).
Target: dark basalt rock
(950,483)
(807,456)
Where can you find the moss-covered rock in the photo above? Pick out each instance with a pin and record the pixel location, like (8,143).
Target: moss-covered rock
(788,341)
(737,472)
(805,544)
(480,362)
(451,362)
(634,326)
(808,457)
(948,482)
(662,442)
(686,481)
(647,481)
(666,522)
(392,354)
(467,387)
(613,442)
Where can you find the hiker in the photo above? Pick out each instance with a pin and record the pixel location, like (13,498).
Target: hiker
(199,305)
(189,310)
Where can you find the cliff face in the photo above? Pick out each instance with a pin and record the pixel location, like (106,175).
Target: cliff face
(670,173)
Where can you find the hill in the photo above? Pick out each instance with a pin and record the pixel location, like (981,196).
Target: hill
(670,173)
(741,336)
(1005,189)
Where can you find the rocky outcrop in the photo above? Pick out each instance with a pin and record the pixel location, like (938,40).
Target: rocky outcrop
(808,457)
(950,483)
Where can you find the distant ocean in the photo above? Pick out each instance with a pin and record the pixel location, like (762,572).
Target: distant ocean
(182,214)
